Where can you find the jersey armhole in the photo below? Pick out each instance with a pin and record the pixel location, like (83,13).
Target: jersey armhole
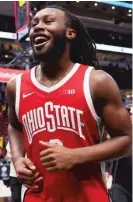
(17,97)
(87,93)
(88,98)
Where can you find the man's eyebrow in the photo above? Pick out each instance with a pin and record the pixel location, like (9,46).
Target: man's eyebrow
(44,16)
(34,19)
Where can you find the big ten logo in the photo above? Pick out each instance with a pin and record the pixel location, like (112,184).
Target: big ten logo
(56,141)
(69,91)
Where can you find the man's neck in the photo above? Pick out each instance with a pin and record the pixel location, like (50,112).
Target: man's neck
(51,70)
(50,74)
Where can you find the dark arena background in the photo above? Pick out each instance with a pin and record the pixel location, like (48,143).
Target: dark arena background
(109,24)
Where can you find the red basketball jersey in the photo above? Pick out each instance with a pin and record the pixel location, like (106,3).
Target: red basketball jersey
(62,114)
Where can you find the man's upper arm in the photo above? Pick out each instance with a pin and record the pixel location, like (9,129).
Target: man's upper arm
(108,104)
(10,98)
(16,137)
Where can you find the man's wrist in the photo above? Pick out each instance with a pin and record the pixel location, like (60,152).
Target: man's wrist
(16,159)
(79,156)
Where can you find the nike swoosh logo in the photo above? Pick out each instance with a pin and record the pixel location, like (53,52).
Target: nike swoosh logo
(26,95)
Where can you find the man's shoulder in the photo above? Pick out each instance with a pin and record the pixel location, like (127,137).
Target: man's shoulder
(102,84)
(12,82)
(100,76)
(101,79)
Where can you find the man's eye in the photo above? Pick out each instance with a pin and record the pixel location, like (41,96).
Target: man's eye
(34,24)
(49,21)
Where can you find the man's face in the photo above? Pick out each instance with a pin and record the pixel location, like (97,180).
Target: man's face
(48,34)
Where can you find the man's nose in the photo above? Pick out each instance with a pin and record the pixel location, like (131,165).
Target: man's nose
(39,27)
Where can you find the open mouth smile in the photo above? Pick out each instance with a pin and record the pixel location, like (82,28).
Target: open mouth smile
(40,41)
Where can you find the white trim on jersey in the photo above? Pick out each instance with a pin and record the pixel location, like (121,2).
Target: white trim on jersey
(87,93)
(89,101)
(56,86)
(17,102)
(23,191)
(103,171)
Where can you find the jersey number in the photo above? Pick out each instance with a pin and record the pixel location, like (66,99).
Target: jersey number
(56,141)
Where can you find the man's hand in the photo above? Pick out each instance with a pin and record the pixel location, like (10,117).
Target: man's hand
(55,157)
(26,173)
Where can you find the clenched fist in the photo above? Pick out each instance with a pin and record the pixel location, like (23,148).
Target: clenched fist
(27,174)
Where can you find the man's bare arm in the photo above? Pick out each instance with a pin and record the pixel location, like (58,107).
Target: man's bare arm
(15,134)
(26,171)
(109,107)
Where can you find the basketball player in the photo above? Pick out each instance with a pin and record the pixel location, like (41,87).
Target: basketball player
(56,112)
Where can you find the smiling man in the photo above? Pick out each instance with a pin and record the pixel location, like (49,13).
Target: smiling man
(57,111)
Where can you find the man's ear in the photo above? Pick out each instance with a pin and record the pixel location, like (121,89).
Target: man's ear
(70,33)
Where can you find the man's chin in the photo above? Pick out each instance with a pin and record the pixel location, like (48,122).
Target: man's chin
(39,50)
(39,56)
(42,56)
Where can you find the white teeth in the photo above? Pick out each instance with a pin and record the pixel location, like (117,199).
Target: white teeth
(40,38)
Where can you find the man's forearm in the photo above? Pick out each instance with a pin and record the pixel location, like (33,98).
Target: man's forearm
(16,140)
(110,149)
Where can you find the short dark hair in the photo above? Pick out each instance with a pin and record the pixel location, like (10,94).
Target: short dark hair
(82,48)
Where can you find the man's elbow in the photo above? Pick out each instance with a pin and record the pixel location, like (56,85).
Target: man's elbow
(128,145)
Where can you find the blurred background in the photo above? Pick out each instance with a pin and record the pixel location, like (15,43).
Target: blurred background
(110,26)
